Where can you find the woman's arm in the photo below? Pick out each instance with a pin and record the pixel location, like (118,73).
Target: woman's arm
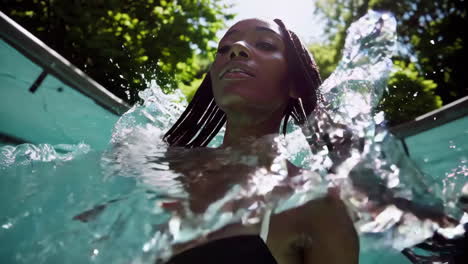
(320,231)
(332,237)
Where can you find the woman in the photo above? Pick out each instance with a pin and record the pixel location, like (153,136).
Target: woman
(262,75)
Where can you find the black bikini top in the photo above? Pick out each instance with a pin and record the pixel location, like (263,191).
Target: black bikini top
(245,249)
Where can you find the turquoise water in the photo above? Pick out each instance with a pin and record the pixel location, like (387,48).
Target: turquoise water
(56,113)
(76,203)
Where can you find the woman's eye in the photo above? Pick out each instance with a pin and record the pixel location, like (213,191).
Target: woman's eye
(266,46)
(223,49)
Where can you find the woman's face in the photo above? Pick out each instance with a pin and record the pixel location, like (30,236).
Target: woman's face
(249,74)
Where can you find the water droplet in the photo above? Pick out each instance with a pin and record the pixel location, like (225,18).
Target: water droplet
(7,225)
(379,117)
(432,42)
(452,145)
(415,94)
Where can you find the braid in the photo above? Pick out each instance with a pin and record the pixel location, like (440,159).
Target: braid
(200,122)
(305,74)
(440,250)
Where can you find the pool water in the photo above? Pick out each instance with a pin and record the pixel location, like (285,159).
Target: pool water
(79,203)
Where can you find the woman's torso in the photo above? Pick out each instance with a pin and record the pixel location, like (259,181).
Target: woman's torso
(320,231)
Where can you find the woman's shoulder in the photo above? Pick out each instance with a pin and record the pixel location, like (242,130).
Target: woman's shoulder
(321,229)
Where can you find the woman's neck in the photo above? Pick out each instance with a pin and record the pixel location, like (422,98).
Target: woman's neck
(245,136)
(240,132)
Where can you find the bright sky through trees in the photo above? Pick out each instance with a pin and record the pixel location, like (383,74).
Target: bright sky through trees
(296,14)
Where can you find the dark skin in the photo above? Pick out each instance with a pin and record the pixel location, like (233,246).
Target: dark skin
(251,85)
(254,101)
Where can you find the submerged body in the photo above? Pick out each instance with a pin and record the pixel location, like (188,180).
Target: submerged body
(291,239)
(256,84)
(320,231)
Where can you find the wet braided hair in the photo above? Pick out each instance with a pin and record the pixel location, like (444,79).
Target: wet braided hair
(202,119)
(439,249)
(306,77)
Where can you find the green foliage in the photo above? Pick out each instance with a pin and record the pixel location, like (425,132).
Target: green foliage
(324,55)
(431,36)
(338,16)
(124,44)
(190,87)
(409,95)
(434,34)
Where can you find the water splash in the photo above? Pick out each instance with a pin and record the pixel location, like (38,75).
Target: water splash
(26,153)
(389,193)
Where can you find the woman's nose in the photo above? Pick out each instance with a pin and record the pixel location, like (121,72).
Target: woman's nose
(239,49)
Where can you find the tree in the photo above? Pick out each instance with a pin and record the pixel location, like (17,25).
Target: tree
(409,95)
(338,16)
(125,44)
(434,33)
(429,63)
(326,57)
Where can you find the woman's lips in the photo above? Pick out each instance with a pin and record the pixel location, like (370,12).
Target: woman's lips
(235,71)
(235,76)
